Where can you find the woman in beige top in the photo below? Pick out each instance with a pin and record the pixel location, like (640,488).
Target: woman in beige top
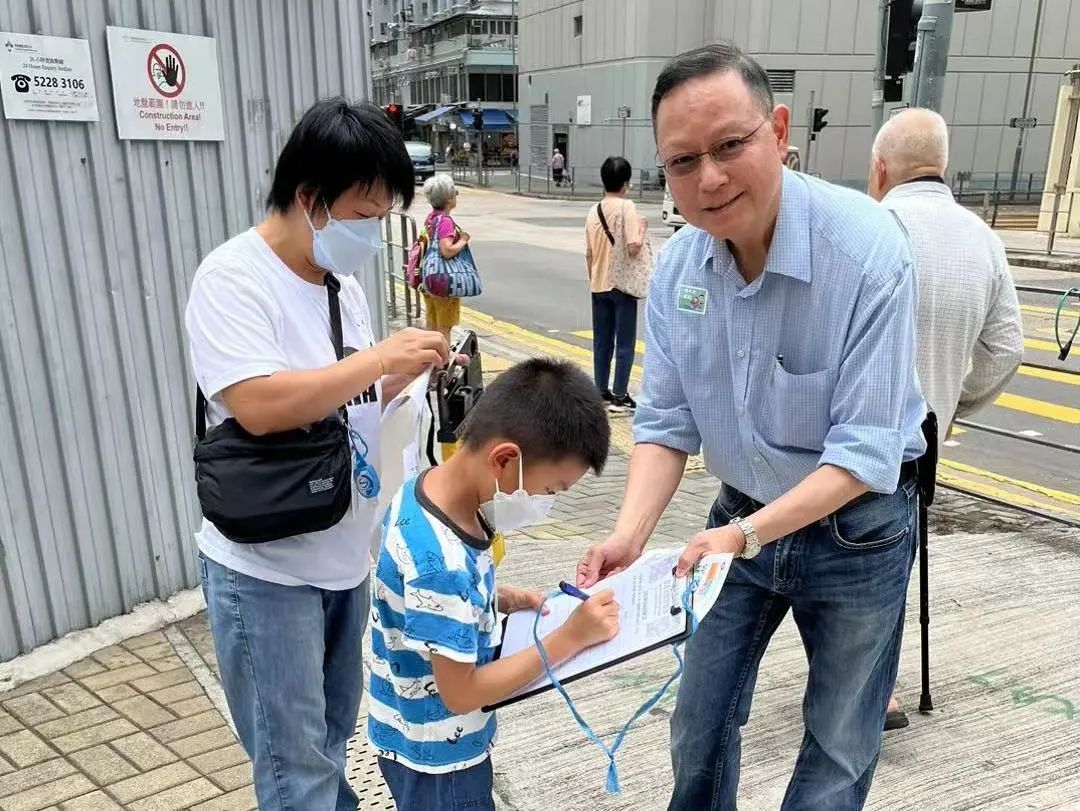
(614,312)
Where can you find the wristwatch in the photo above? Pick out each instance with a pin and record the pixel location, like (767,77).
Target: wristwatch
(753,545)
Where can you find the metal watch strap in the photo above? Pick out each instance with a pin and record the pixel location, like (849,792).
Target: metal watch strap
(752,545)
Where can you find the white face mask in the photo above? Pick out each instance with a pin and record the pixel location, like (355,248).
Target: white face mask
(510,511)
(342,246)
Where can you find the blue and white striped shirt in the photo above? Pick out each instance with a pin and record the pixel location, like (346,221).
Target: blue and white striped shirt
(813,363)
(434,592)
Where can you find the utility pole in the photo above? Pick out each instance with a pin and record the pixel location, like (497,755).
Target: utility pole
(877,101)
(1027,100)
(931,53)
(1065,164)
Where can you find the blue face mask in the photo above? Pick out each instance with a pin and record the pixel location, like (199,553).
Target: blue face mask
(611,784)
(342,246)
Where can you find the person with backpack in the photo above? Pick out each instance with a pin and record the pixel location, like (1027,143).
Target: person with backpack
(443,313)
(619,263)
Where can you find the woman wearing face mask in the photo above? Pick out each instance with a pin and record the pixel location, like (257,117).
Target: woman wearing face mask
(288,615)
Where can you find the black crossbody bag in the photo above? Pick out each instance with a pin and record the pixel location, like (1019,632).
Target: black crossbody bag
(256,489)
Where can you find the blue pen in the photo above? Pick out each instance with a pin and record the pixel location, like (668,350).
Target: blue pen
(573,591)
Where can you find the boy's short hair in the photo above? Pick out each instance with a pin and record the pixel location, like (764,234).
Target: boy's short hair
(548,408)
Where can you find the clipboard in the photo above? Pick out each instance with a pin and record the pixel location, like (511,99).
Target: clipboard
(669,630)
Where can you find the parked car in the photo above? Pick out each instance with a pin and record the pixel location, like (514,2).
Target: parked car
(669,212)
(423,159)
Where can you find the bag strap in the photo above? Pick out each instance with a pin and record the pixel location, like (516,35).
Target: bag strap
(200,414)
(603,222)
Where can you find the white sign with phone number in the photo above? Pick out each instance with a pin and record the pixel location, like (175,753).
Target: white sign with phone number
(46,78)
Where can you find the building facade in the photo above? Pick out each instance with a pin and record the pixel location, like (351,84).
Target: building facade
(581,61)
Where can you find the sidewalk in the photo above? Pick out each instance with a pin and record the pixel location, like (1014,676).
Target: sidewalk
(1028,249)
(141,725)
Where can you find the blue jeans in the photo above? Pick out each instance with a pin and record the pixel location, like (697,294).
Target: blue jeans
(614,317)
(290,665)
(465,790)
(845,580)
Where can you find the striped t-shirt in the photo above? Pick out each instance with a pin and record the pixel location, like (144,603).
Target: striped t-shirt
(434,592)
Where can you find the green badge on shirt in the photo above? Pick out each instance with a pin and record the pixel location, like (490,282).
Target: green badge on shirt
(693,299)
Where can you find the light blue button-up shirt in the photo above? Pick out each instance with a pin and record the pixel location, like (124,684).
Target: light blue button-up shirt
(813,363)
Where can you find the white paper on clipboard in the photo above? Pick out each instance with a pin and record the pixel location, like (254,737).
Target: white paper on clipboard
(646,593)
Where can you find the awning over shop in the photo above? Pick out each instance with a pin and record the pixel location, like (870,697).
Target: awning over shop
(427,118)
(494,119)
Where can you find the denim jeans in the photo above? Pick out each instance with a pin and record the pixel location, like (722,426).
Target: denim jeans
(290,664)
(465,790)
(845,581)
(614,317)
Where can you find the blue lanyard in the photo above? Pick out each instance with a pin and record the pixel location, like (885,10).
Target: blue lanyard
(611,784)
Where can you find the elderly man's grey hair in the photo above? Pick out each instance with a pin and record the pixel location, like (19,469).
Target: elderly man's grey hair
(440,191)
(913,141)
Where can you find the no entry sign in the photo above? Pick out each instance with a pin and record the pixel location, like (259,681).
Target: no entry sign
(165,86)
(166,70)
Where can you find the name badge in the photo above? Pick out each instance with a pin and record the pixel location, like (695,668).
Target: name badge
(693,300)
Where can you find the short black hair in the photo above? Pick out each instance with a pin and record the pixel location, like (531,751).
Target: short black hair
(549,408)
(337,146)
(718,58)
(615,173)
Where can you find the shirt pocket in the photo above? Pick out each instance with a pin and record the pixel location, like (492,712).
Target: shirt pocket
(797,409)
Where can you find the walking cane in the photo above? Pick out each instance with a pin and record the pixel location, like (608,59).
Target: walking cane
(927,466)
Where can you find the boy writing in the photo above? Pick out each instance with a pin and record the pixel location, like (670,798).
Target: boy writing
(533,433)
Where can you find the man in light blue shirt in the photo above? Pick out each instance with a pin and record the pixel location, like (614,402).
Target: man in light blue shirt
(781,342)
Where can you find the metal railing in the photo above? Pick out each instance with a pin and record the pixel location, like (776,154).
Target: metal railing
(399,234)
(973,185)
(584,181)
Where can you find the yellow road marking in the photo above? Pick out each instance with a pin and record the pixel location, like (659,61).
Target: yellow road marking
(1008,496)
(1039,408)
(587,334)
(1043,346)
(1031,308)
(1056,495)
(1049,374)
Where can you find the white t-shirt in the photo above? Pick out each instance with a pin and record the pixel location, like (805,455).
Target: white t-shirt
(248,316)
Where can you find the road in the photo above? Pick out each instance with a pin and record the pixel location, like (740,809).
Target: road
(531,256)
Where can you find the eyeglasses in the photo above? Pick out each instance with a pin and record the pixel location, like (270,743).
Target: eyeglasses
(722,152)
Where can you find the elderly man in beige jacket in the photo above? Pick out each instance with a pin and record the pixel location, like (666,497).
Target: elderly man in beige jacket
(970,336)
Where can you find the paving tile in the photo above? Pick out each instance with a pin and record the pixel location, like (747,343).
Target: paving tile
(96,801)
(116,657)
(156,651)
(8,724)
(158,681)
(139,642)
(119,676)
(34,686)
(32,776)
(232,778)
(192,706)
(57,791)
(116,692)
(102,765)
(74,723)
(231,755)
(5,767)
(143,751)
(181,692)
(179,797)
(25,749)
(186,727)
(71,697)
(103,733)
(203,742)
(87,667)
(168,664)
(143,712)
(242,799)
(153,782)
(33,709)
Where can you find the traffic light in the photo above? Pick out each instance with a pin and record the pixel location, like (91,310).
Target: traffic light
(819,119)
(477,120)
(394,113)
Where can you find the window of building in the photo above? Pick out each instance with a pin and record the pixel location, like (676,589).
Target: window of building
(382,29)
(577,25)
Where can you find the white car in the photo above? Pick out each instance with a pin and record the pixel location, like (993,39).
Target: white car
(669,212)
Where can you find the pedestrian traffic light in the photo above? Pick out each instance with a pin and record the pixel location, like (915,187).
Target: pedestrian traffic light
(394,113)
(900,37)
(477,120)
(819,119)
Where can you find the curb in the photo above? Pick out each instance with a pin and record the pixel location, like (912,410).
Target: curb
(1043,262)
